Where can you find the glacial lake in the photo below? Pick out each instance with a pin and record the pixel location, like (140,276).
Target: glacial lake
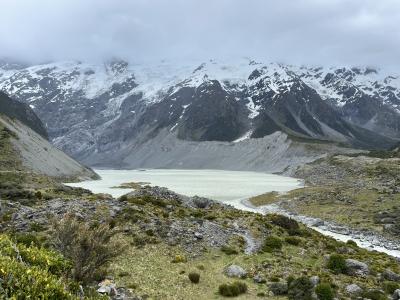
(231,187)
(225,186)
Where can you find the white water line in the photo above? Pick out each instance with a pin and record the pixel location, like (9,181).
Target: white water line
(366,242)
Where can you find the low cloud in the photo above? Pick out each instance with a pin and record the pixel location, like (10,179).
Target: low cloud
(330,32)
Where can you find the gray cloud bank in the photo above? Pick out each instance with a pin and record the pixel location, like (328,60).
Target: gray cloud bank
(352,32)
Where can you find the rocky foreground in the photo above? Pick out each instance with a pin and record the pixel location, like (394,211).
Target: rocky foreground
(168,246)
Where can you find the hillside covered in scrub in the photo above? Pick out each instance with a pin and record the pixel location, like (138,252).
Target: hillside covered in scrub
(156,244)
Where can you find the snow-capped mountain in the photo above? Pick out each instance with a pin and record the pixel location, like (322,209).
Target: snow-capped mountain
(90,110)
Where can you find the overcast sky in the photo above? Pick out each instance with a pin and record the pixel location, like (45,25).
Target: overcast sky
(329,32)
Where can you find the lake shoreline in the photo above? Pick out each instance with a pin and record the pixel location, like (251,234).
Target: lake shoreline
(234,188)
(364,239)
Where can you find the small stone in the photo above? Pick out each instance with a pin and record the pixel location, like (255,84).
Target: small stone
(104,290)
(235,271)
(198,235)
(353,289)
(314,280)
(107,287)
(259,279)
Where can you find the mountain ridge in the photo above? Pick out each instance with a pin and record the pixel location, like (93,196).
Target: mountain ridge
(88,107)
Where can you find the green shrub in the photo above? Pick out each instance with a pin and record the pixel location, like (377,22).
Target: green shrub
(123,198)
(149,232)
(278,288)
(123,274)
(390,286)
(21,281)
(194,277)
(324,291)
(261,294)
(293,240)
(285,222)
(27,239)
(197,213)
(351,243)
(37,227)
(179,259)
(139,241)
(300,289)
(47,260)
(38,195)
(90,251)
(232,289)
(290,279)
(337,264)
(229,250)
(274,279)
(272,243)
(374,295)
(30,272)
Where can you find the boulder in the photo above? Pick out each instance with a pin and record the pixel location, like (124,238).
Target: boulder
(353,289)
(356,268)
(396,295)
(235,271)
(107,287)
(390,275)
(201,202)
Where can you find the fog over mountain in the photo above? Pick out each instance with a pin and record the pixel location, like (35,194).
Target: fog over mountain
(335,32)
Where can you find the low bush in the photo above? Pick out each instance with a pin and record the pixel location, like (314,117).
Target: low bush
(90,251)
(47,260)
(278,288)
(194,277)
(293,240)
(30,272)
(324,291)
(21,281)
(27,239)
(285,222)
(374,295)
(274,279)
(272,243)
(229,250)
(232,289)
(351,243)
(179,259)
(390,286)
(300,289)
(337,264)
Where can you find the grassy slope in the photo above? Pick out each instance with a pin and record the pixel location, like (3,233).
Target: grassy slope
(347,190)
(148,268)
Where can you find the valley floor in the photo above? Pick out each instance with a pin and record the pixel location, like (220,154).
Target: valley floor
(353,193)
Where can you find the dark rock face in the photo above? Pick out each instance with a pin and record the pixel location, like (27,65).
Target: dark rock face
(220,123)
(104,109)
(21,112)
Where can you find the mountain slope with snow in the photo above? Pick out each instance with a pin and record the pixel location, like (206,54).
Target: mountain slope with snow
(90,110)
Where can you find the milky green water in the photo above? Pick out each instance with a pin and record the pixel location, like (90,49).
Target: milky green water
(225,186)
